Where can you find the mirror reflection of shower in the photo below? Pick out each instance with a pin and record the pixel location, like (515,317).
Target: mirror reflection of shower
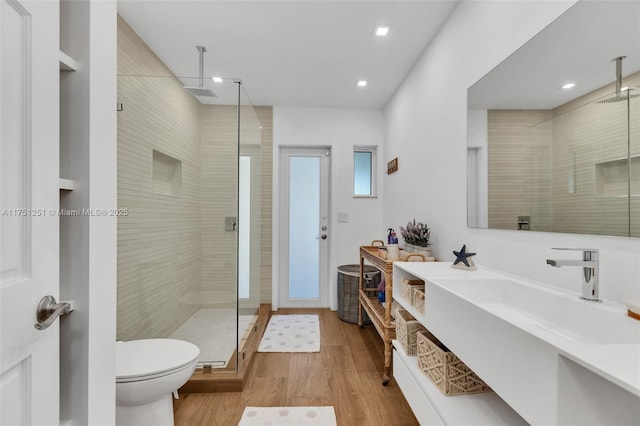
(565,156)
(622,93)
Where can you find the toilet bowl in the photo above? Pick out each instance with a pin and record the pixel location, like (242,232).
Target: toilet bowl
(148,371)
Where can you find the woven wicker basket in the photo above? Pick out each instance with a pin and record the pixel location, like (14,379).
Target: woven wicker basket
(450,375)
(406,286)
(406,329)
(394,309)
(417,298)
(348,291)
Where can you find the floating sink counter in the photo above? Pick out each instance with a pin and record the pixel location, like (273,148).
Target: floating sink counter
(554,358)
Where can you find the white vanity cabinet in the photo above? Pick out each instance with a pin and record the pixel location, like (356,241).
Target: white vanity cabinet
(535,345)
(429,405)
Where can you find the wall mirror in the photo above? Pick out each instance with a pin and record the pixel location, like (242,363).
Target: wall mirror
(553,141)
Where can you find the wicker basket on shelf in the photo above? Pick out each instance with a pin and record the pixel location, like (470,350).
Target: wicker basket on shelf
(406,329)
(406,285)
(394,309)
(417,298)
(447,372)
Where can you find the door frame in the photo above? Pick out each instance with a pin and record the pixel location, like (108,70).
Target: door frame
(280,230)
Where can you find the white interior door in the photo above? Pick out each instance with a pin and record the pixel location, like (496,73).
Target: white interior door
(29,199)
(304,225)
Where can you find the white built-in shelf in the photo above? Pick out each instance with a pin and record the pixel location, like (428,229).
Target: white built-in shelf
(67,63)
(407,306)
(474,409)
(67,184)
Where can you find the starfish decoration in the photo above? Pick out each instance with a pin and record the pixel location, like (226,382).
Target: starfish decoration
(462,255)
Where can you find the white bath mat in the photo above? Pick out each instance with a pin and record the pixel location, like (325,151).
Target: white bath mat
(291,333)
(283,416)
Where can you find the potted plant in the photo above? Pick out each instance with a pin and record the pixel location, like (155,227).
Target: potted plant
(416,237)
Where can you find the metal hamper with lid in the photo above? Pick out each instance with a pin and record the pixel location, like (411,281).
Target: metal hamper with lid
(348,277)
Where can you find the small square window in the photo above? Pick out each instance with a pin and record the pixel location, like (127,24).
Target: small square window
(364,172)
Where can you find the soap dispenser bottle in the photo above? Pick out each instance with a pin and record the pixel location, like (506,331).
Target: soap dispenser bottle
(393,250)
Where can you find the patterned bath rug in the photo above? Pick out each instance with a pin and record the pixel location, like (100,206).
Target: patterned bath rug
(291,333)
(283,416)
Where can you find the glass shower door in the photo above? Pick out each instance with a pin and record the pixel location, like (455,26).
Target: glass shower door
(189,176)
(249,222)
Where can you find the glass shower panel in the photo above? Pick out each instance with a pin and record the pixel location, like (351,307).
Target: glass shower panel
(219,229)
(179,179)
(249,221)
(589,173)
(634,164)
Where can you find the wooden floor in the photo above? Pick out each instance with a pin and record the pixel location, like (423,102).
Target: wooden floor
(345,374)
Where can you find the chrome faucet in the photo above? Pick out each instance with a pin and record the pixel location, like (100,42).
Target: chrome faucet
(590,269)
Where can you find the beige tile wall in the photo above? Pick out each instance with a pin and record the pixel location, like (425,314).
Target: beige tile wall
(219,150)
(173,252)
(265,115)
(520,153)
(519,176)
(159,254)
(597,133)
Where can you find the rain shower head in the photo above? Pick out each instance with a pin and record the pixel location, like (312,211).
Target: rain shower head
(619,97)
(614,99)
(200,90)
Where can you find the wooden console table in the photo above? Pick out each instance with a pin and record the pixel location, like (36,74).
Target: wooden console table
(368,297)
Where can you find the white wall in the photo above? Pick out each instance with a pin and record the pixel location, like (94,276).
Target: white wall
(339,129)
(425,127)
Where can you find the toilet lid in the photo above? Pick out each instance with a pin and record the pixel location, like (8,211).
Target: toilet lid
(147,357)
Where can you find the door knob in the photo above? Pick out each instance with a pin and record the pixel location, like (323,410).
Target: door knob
(48,310)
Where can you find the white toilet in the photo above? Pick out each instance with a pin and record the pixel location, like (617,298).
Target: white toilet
(148,371)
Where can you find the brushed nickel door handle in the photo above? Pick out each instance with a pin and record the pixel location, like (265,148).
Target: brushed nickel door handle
(48,310)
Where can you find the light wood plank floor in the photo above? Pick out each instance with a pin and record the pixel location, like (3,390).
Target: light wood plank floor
(345,374)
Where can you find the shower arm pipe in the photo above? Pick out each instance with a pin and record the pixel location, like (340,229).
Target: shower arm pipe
(619,74)
(202,50)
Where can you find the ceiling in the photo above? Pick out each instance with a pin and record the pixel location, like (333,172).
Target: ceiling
(290,53)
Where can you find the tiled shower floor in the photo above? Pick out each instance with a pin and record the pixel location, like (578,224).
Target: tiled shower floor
(213,330)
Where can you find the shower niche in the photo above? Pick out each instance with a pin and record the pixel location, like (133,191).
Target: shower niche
(611,177)
(185,163)
(167,174)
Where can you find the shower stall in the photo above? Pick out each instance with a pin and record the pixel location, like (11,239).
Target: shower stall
(190,195)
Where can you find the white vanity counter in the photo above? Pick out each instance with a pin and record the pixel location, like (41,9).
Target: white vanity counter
(546,352)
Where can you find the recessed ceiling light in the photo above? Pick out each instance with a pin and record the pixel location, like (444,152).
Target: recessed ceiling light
(217,79)
(362,83)
(568,85)
(382,30)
